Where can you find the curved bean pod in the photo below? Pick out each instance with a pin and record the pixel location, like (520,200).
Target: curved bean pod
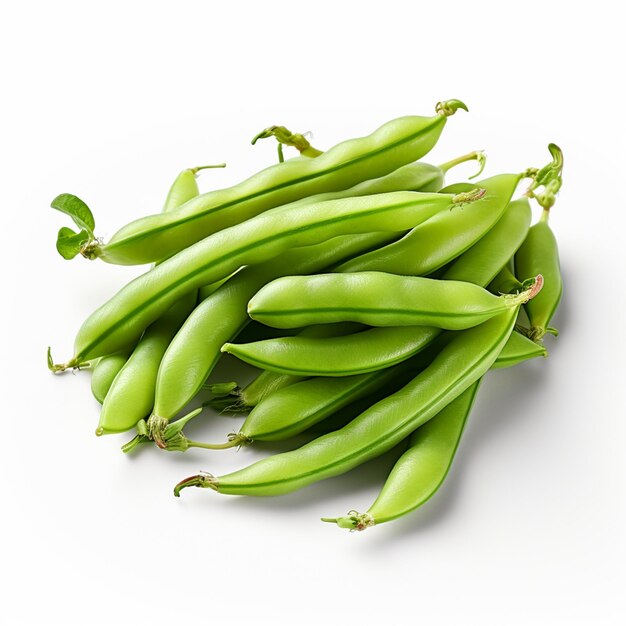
(105,371)
(195,349)
(383,347)
(462,362)
(124,317)
(267,382)
(540,250)
(444,237)
(518,349)
(420,471)
(130,395)
(367,351)
(295,408)
(394,144)
(377,299)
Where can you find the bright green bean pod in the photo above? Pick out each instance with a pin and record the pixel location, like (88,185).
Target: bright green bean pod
(383,347)
(105,371)
(366,351)
(484,259)
(296,407)
(124,317)
(505,282)
(540,250)
(467,357)
(420,471)
(376,299)
(195,350)
(394,144)
(444,237)
(518,349)
(267,382)
(131,396)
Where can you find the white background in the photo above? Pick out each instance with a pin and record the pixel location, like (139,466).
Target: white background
(109,101)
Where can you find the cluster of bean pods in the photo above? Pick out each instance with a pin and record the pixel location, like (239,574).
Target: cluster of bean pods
(399,295)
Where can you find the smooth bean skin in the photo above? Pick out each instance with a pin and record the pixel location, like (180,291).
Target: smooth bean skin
(412,177)
(420,471)
(293,409)
(183,189)
(376,299)
(463,361)
(132,393)
(505,282)
(123,318)
(195,349)
(290,410)
(540,250)
(369,350)
(267,382)
(484,259)
(155,237)
(444,237)
(132,387)
(105,372)
(518,349)
(383,347)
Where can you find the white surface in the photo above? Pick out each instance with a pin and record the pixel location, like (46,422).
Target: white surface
(109,101)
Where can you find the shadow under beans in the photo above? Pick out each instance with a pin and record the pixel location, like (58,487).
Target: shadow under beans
(499,406)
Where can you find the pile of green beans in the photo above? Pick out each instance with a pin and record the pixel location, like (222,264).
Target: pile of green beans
(371,298)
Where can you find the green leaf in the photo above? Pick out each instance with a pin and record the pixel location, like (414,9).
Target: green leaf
(70,243)
(77,210)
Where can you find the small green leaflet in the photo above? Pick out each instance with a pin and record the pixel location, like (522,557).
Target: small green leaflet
(69,243)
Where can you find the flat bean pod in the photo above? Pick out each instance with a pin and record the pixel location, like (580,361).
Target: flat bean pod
(105,371)
(383,347)
(462,362)
(394,144)
(540,250)
(267,382)
(444,237)
(421,470)
(376,299)
(124,317)
(131,396)
(518,349)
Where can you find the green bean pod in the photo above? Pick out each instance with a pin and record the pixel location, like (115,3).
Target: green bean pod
(376,299)
(267,382)
(464,360)
(131,396)
(124,317)
(518,349)
(444,237)
(420,471)
(195,349)
(298,406)
(105,371)
(159,236)
(540,250)
(378,348)
(505,282)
